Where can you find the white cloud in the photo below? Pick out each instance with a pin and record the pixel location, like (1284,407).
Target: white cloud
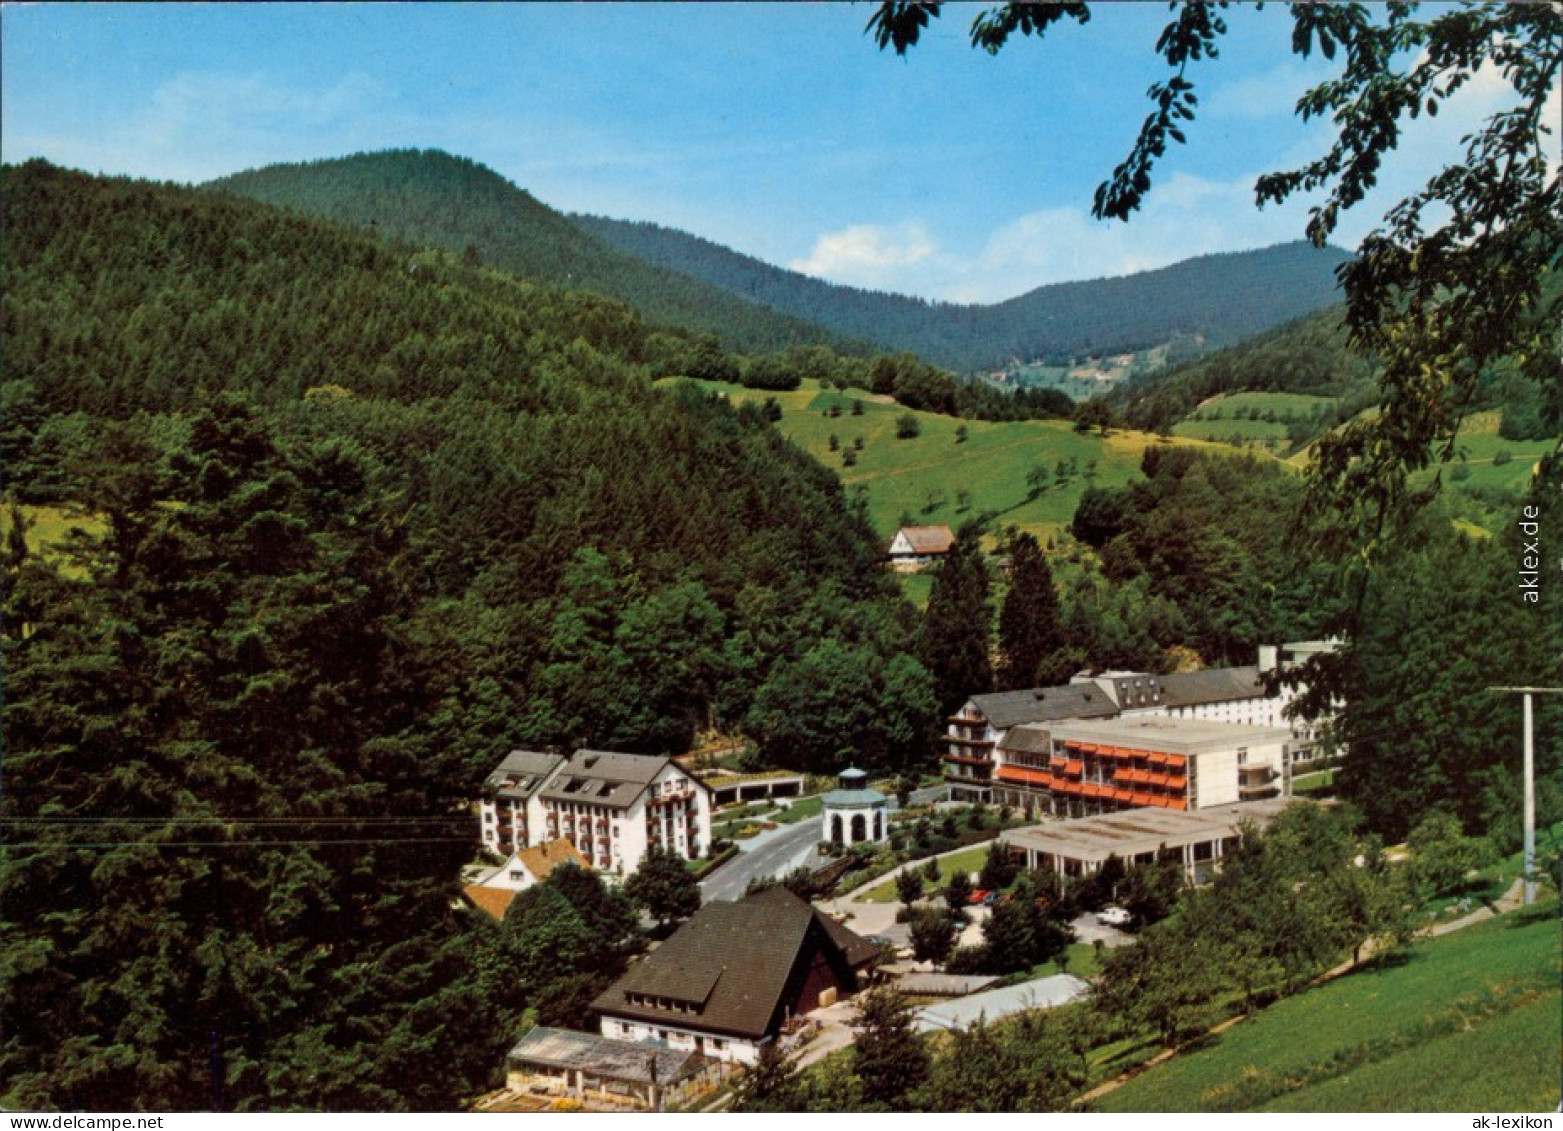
(868,255)
(1183,217)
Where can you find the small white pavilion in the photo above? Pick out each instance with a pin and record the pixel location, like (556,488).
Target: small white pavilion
(854,813)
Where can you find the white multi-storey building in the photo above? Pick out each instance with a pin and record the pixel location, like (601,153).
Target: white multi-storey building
(990,751)
(1103,765)
(612,807)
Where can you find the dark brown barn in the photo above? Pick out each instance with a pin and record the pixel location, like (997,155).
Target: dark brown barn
(731,977)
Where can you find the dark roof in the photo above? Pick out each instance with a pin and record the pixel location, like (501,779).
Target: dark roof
(1005,709)
(1027,738)
(521,773)
(604,1057)
(1214,685)
(729,964)
(600,777)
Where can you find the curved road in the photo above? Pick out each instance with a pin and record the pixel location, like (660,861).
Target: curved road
(773,853)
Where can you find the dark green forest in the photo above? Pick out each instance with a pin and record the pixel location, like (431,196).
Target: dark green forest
(432,199)
(373,517)
(1221,299)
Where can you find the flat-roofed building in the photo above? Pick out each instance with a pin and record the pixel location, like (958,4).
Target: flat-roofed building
(1199,839)
(986,760)
(1103,765)
(601,1072)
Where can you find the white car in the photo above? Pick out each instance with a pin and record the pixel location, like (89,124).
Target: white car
(1113,917)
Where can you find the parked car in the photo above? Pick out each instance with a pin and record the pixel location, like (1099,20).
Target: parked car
(980,896)
(1114,917)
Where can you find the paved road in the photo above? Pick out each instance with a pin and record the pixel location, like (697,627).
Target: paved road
(773,853)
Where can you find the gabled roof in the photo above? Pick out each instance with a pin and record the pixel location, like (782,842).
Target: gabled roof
(1027,738)
(601,777)
(728,966)
(542,859)
(521,774)
(1005,709)
(928,539)
(1214,685)
(492,901)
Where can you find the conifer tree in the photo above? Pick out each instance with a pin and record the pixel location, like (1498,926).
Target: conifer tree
(1029,626)
(957,626)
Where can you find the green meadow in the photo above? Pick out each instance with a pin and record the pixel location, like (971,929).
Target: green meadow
(1229,418)
(1466,1022)
(940,478)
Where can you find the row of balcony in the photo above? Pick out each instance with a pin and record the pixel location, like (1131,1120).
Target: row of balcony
(1101,792)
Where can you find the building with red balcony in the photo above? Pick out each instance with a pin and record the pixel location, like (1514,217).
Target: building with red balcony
(1105,765)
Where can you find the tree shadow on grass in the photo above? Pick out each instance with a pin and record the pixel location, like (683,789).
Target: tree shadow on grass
(1523,917)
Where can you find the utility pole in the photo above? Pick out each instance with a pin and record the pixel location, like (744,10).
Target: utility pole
(1530,781)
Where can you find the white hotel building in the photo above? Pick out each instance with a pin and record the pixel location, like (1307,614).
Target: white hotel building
(612,807)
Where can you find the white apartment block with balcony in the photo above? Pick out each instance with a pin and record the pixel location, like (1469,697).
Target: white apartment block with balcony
(612,807)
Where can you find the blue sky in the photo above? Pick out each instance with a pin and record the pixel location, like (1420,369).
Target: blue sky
(776,129)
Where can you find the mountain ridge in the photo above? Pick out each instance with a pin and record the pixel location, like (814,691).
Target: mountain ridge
(1056,319)
(429,197)
(407,194)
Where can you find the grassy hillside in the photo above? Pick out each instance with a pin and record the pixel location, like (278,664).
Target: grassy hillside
(935,478)
(429,198)
(1262,419)
(1468,1022)
(1217,298)
(1308,357)
(1493,462)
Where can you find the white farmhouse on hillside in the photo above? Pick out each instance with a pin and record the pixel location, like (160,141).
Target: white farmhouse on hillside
(916,546)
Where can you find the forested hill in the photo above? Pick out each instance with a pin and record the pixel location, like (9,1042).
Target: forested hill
(430,198)
(1221,298)
(1308,356)
(359,520)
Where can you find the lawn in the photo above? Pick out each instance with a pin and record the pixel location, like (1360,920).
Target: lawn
(800,810)
(937,478)
(916,587)
(1467,1022)
(1518,1057)
(1218,418)
(1321,781)
(967,860)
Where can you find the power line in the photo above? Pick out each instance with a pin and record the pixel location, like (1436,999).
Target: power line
(46,821)
(230,843)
